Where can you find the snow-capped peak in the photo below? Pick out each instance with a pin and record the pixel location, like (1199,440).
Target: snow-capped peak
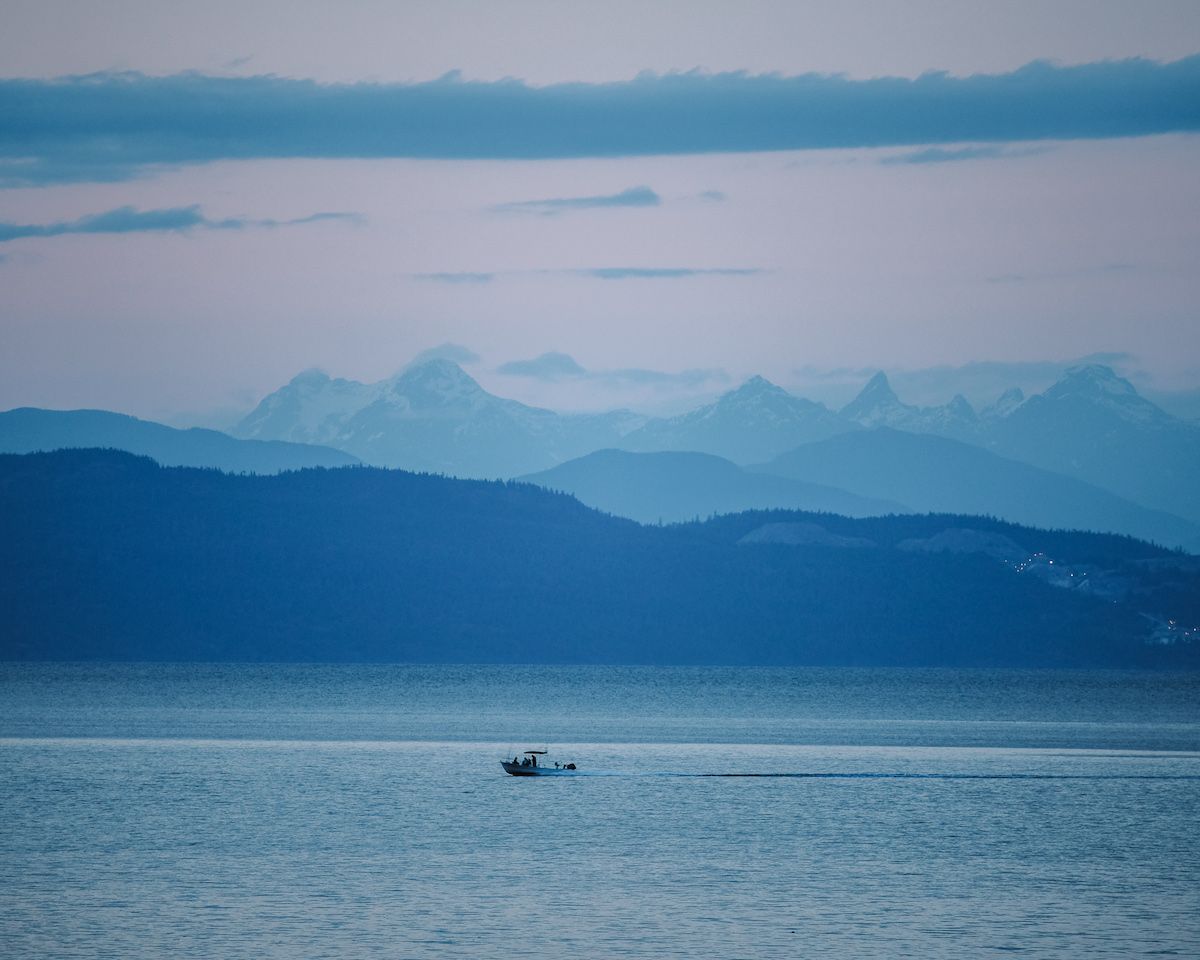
(433,383)
(755,388)
(1094,379)
(878,388)
(1098,386)
(876,404)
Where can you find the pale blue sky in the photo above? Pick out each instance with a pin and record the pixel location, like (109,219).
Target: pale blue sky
(205,281)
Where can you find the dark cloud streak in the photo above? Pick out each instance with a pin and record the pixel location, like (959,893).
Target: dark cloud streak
(943,155)
(111,126)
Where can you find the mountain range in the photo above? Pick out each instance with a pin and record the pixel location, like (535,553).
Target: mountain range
(756,421)
(433,417)
(104,555)
(1089,451)
(1091,426)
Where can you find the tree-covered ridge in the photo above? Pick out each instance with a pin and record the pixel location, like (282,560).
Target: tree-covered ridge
(104,555)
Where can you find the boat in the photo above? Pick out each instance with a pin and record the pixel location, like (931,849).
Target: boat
(531,766)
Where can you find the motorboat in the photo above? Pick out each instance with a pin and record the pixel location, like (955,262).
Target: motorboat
(528,765)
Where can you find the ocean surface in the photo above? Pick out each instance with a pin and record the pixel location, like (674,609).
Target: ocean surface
(220,811)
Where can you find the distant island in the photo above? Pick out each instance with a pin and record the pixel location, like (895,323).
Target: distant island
(109,556)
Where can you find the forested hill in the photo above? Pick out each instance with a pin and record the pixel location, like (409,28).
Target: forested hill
(104,555)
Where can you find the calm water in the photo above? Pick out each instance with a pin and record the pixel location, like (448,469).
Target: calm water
(311,811)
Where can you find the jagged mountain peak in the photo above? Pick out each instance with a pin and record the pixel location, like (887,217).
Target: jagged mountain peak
(876,403)
(878,406)
(757,386)
(1094,379)
(758,399)
(432,368)
(878,385)
(433,380)
(1005,404)
(960,406)
(1097,388)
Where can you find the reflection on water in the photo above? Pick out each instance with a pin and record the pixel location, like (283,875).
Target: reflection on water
(229,812)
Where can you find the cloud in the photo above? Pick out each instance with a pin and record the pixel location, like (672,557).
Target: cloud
(633,197)
(598,273)
(1103,269)
(662,273)
(713,196)
(548,366)
(132,220)
(690,378)
(456,278)
(447,351)
(115,125)
(943,155)
(553,367)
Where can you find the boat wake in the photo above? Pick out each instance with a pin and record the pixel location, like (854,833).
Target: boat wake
(956,776)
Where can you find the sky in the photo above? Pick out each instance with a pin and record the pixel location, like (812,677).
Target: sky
(596,205)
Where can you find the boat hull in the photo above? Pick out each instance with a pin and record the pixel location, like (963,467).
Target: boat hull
(516,770)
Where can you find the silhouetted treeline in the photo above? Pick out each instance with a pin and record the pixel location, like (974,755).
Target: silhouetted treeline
(104,555)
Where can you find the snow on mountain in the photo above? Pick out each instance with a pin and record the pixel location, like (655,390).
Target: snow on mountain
(878,406)
(1093,424)
(1008,401)
(755,422)
(431,416)
(1100,388)
(311,408)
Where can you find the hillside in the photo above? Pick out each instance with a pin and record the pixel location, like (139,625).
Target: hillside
(108,556)
(671,487)
(28,429)
(938,474)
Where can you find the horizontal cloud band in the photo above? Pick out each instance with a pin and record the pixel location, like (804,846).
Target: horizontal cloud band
(600,273)
(108,126)
(170,219)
